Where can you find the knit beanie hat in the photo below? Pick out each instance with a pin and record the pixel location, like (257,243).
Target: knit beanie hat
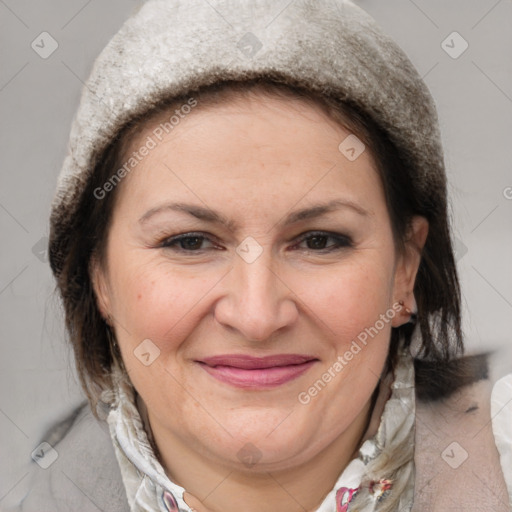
(170,47)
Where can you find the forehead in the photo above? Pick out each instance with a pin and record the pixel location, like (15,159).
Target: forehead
(256,145)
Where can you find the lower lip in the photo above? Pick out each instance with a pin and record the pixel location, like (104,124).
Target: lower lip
(258,378)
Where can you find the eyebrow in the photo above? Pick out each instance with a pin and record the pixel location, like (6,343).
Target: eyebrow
(209,215)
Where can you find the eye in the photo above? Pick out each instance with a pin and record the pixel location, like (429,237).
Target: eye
(187,242)
(317,241)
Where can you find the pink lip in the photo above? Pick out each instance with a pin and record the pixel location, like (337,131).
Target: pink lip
(257,372)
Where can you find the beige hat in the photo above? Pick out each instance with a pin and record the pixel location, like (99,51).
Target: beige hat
(170,47)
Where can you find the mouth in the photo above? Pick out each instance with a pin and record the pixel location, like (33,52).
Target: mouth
(245,371)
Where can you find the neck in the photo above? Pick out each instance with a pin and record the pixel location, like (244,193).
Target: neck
(224,488)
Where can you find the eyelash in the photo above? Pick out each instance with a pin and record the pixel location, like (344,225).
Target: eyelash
(341,241)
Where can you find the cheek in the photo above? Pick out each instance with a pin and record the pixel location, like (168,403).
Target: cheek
(158,304)
(156,301)
(348,305)
(348,300)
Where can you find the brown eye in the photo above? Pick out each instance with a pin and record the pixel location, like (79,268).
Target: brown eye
(318,242)
(191,242)
(188,242)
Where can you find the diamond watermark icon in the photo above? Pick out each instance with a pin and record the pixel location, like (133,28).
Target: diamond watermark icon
(44,45)
(351,147)
(249,45)
(454,455)
(249,250)
(249,455)
(45,455)
(146,352)
(459,248)
(454,45)
(40,249)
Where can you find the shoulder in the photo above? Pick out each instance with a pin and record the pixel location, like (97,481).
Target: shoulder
(75,469)
(456,458)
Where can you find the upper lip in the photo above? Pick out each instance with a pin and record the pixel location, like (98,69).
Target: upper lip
(256,363)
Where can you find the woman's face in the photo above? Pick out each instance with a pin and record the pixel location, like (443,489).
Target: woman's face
(253,281)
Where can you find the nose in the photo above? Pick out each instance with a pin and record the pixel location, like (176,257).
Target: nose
(257,302)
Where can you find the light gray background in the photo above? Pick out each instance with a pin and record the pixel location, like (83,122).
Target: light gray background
(38,98)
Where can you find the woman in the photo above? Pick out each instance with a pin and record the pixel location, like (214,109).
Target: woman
(250,237)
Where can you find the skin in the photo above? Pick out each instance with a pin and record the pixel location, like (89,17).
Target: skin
(254,162)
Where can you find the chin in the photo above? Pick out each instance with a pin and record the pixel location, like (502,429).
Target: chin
(265,440)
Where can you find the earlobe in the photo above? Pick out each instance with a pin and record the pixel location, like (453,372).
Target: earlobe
(407,268)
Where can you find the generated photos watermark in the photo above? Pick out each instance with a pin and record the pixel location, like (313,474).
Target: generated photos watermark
(342,361)
(149,144)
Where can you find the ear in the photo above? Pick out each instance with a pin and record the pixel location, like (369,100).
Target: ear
(408,264)
(100,286)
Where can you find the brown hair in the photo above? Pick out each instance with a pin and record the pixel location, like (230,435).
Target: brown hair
(436,288)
